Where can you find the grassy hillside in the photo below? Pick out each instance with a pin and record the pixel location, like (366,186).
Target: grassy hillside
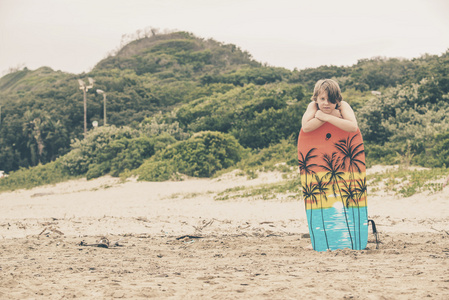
(164,88)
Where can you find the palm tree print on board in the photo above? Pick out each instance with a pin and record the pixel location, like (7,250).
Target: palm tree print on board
(335,173)
(333,178)
(347,197)
(308,190)
(351,159)
(322,188)
(360,193)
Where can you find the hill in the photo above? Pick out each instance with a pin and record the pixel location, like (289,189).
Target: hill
(166,87)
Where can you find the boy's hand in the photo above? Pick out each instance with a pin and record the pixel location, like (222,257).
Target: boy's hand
(321,116)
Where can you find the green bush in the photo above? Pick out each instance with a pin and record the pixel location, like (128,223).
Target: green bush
(268,127)
(50,173)
(202,155)
(285,151)
(256,115)
(377,154)
(440,150)
(156,170)
(92,149)
(108,150)
(96,170)
(130,154)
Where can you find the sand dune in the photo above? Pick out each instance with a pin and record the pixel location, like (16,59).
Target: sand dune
(172,239)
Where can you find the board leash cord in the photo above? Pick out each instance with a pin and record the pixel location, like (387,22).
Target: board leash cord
(373,226)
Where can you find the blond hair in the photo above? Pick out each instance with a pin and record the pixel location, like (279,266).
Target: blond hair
(331,87)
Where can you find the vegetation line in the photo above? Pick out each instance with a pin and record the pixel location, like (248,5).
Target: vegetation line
(181,105)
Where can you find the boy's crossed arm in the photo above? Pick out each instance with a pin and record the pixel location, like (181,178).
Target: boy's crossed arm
(343,118)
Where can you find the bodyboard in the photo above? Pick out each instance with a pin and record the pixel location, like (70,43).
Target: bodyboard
(333,180)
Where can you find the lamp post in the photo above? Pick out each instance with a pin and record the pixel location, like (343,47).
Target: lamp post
(104,105)
(85,88)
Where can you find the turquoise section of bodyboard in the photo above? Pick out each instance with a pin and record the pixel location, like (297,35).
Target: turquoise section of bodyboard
(334,234)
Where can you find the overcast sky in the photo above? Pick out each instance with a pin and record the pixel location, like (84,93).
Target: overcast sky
(73,35)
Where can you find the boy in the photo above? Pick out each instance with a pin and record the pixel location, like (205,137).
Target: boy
(328,106)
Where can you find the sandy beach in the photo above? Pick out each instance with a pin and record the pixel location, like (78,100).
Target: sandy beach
(176,240)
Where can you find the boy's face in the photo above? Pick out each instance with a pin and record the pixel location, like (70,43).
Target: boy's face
(324,104)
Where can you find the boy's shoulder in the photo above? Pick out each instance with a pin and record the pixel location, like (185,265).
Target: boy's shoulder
(344,104)
(312,105)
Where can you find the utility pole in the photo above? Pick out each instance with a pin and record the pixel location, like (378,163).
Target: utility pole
(85,88)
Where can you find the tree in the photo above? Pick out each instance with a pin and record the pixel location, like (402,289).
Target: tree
(332,166)
(322,188)
(309,190)
(352,159)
